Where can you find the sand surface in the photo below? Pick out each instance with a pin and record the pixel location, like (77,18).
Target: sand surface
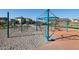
(64,41)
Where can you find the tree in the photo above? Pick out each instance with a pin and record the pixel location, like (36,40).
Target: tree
(30,21)
(23,20)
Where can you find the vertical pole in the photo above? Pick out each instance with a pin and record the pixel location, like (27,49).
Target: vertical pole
(60,24)
(21,24)
(55,24)
(47,25)
(14,24)
(67,23)
(7,24)
(36,25)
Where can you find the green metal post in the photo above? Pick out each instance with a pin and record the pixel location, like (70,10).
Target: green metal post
(36,25)
(67,24)
(76,26)
(21,24)
(55,24)
(7,24)
(47,25)
(14,24)
(60,23)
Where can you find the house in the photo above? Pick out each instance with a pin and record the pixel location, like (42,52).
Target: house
(24,20)
(65,19)
(12,21)
(18,19)
(74,20)
(3,19)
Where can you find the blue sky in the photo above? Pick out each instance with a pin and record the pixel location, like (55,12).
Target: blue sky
(33,13)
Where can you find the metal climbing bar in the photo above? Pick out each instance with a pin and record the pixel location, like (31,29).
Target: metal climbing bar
(47,18)
(67,24)
(36,25)
(7,24)
(47,25)
(50,18)
(21,24)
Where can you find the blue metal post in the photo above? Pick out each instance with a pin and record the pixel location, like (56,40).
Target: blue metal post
(47,25)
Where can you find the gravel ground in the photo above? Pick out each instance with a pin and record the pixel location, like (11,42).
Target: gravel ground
(25,40)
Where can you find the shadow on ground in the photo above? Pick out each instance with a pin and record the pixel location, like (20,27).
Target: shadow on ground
(69,37)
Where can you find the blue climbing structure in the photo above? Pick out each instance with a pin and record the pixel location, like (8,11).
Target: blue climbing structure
(47,25)
(47,18)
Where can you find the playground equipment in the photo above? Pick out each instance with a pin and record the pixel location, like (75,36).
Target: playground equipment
(52,21)
(7,24)
(47,19)
(67,23)
(15,27)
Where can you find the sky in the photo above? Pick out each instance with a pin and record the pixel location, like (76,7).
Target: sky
(34,13)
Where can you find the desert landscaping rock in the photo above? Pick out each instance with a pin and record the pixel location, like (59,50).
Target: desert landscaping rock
(18,40)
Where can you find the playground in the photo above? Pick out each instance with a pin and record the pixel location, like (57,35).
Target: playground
(36,40)
(64,41)
(49,32)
